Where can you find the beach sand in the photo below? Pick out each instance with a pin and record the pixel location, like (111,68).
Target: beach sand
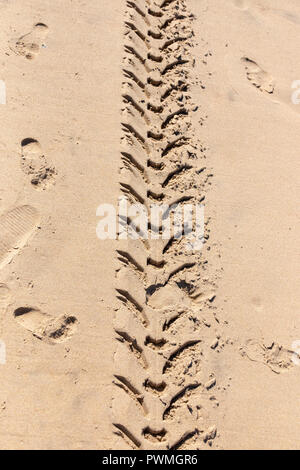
(149,344)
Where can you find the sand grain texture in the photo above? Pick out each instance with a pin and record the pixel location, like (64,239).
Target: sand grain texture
(183,101)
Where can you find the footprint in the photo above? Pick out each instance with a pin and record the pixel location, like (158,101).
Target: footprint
(30,44)
(258,77)
(45,327)
(272,355)
(35,165)
(16,226)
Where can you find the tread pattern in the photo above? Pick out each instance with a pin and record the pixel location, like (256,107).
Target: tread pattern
(16,227)
(160,287)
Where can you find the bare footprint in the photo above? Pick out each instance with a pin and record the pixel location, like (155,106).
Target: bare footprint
(16,227)
(258,77)
(35,165)
(30,44)
(277,358)
(45,327)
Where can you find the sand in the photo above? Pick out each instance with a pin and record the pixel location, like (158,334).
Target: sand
(149,344)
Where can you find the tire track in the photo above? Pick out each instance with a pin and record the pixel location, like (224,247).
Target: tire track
(158,279)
